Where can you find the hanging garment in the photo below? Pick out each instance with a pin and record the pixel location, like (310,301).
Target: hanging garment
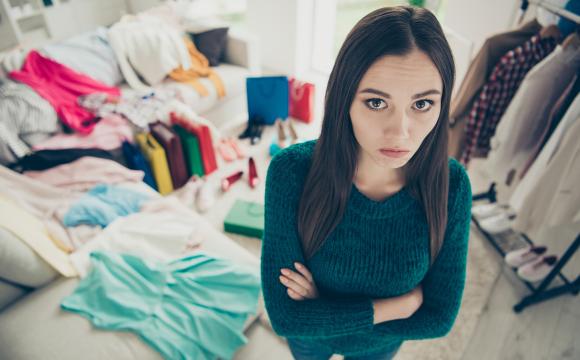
(191,308)
(173,150)
(103,204)
(479,71)
(199,68)
(23,113)
(136,161)
(526,118)
(46,159)
(149,47)
(157,159)
(33,233)
(556,115)
(551,195)
(163,230)
(88,53)
(85,173)
(61,86)
(108,134)
(540,164)
(497,93)
(141,108)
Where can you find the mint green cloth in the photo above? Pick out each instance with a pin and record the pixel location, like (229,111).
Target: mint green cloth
(191,308)
(379,249)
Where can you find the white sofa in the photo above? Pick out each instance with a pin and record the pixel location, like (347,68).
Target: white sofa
(32,326)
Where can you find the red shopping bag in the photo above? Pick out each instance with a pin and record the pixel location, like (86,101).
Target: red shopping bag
(301,100)
(203,135)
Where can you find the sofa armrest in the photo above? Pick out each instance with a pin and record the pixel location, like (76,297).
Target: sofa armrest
(242,49)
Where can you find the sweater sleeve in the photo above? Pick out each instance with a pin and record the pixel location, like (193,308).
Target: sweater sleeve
(116,38)
(281,247)
(444,283)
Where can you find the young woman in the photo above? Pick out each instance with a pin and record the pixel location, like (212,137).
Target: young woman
(366,227)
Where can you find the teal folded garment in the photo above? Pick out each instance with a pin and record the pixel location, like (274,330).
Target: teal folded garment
(191,308)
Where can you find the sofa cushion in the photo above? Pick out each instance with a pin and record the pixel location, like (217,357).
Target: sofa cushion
(20,264)
(211,43)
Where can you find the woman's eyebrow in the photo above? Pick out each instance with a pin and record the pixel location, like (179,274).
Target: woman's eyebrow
(384,94)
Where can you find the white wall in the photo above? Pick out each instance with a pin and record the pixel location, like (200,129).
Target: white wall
(477,19)
(77,16)
(284,30)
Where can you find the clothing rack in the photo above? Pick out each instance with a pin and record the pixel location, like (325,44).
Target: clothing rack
(540,292)
(551,8)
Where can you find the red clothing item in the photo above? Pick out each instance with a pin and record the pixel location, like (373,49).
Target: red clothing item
(498,91)
(61,86)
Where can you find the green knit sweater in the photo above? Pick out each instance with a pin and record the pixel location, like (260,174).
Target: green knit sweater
(378,250)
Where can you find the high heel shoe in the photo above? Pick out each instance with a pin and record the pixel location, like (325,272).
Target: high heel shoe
(253,179)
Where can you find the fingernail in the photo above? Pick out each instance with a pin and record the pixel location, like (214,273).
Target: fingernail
(298,265)
(284,271)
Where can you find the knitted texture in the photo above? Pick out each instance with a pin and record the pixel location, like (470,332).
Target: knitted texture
(379,249)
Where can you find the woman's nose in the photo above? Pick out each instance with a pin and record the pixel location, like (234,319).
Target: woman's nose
(397,126)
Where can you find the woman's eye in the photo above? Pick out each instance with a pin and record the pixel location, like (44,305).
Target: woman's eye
(376,104)
(423,105)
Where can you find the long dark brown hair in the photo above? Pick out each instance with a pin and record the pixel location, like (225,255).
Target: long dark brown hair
(386,31)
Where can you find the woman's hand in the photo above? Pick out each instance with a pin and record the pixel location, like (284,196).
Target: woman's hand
(300,284)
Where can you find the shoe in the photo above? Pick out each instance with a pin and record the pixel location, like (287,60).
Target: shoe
(519,257)
(497,223)
(281,132)
(484,211)
(538,269)
(256,135)
(226,150)
(293,133)
(206,196)
(238,148)
(230,180)
(246,133)
(254,179)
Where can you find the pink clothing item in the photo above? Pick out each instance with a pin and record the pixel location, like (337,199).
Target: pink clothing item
(61,86)
(85,173)
(108,134)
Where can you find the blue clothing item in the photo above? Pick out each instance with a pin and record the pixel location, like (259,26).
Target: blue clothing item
(191,308)
(308,350)
(136,161)
(103,204)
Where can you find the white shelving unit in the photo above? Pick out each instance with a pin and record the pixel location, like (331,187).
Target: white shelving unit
(29,23)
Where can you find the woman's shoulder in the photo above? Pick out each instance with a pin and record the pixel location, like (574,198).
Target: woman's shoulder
(294,160)
(459,185)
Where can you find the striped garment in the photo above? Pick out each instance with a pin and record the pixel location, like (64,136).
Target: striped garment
(22,112)
(498,91)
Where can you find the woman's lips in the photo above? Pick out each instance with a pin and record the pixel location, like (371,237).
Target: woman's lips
(394,153)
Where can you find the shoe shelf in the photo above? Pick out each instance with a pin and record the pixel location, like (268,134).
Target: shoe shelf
(538,292)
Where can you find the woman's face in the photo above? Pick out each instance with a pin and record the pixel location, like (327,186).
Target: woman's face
(396,105)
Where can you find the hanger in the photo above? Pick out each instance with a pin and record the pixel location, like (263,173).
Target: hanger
(550,31)
(571,40)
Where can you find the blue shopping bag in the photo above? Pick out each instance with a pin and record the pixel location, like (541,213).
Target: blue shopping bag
(267,98)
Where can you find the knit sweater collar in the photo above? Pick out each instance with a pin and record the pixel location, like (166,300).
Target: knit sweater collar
(391,206)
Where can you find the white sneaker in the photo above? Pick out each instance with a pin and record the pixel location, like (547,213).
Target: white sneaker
(538,269)
(206,196)
(496,224)
(519,257)
(484,211)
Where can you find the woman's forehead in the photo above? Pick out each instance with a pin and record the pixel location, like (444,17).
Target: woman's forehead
(414,71)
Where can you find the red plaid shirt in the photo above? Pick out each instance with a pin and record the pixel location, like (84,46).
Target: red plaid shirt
(498,91)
